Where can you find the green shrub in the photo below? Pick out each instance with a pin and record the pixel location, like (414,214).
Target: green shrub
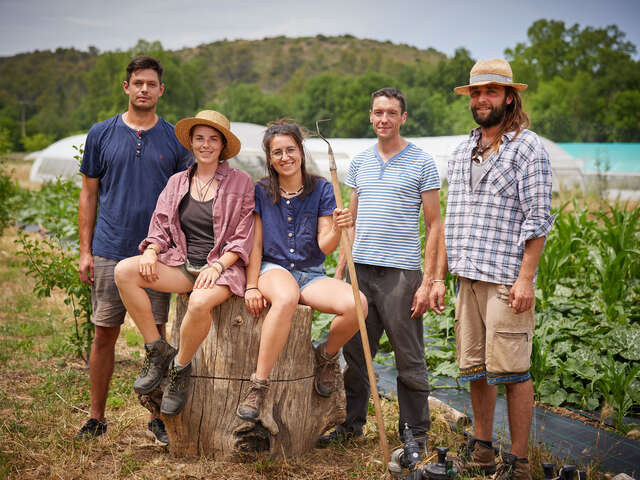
(37,141)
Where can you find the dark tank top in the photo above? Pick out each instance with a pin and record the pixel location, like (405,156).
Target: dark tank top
(196,221)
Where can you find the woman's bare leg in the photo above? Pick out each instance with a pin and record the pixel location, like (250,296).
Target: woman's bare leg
(197,321)
(131,286)
(281,291)
(330,295)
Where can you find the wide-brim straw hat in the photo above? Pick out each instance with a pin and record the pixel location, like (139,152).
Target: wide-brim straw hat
(496,71)
(213,119)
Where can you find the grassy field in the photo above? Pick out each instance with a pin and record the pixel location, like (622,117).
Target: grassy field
(44,399)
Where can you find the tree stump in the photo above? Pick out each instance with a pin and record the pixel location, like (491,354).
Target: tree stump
(293,417)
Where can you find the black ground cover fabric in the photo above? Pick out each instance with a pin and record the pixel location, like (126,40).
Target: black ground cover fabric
(573,441)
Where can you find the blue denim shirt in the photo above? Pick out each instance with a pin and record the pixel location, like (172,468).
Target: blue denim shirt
(290,227)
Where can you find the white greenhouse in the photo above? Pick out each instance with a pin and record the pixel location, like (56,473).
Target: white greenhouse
(58,158)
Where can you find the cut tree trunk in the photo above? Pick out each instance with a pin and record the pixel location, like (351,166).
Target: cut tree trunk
(293,415)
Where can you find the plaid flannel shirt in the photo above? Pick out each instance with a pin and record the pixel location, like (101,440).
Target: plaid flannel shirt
(486,228)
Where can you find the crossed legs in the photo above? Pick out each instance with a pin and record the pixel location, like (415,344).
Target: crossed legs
(196,322)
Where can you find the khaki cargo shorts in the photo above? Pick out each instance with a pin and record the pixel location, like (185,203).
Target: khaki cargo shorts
(492,341)
(108,309)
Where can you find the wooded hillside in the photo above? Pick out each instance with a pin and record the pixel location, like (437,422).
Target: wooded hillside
(583,84)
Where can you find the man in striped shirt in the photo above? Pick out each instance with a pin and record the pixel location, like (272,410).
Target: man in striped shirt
(391,181)
(498,214)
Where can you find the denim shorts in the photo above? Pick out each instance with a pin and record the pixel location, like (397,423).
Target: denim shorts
(304,276)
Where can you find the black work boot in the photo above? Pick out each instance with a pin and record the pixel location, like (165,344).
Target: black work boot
(339,436)
(157,432)
(327,370)
(155,365)
(249,408)
(92,429)
(175,394)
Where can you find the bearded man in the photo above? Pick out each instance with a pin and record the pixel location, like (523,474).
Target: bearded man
(498,216)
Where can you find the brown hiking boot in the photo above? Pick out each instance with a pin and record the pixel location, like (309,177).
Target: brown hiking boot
(249,408)
(475,458)
(327,369)
(513,468)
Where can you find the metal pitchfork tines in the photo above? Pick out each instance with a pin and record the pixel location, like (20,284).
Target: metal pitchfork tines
(332,160)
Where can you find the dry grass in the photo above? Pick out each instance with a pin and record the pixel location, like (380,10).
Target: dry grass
(44,400)
(19,170)
(586,199)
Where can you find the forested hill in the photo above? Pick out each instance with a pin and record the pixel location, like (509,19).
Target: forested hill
(272,63)
(583,84)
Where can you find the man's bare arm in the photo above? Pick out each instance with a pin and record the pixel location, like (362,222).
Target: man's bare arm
(87,209)
(438,288)
(522,294)
(431,207)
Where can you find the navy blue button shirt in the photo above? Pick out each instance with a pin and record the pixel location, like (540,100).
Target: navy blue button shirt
(290,227)
(133,168)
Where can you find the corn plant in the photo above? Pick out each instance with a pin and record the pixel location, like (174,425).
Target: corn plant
(615,386)
(559,249)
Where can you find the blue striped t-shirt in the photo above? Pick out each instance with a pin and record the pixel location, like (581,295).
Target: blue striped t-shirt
(389,199)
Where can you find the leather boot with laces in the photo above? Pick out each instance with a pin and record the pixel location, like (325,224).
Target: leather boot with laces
(475,458)
(513,468)
(154,368)
(327,370)
(249,408)
(177,390)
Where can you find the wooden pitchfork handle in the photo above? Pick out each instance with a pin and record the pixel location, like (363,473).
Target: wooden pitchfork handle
(345,244)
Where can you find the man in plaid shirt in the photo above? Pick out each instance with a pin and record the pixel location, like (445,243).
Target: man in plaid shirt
(498,214)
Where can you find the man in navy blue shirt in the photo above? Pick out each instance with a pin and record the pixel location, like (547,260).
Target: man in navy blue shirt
(126,163)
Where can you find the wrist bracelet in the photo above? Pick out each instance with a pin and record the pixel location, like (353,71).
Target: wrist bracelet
(438,281)
(251,288)
(221,265)
(152,248)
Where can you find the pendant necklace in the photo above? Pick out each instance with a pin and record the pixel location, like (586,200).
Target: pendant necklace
(200,187)
(478,152)
(292,193)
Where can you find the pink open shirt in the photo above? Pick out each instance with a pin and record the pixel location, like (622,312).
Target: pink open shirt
(232,223)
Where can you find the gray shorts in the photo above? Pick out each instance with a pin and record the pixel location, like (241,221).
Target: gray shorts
(108,309)
(191,271)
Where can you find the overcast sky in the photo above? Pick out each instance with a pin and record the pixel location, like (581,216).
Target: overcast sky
(486,29)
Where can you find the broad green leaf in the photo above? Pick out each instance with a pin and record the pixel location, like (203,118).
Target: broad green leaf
(625,341)
(592,402)
(448,369)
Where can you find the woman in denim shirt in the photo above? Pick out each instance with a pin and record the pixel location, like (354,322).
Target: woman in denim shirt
(199,240)
(296,225)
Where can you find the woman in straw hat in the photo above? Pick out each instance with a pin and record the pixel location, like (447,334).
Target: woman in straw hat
(297,224)
(199,240)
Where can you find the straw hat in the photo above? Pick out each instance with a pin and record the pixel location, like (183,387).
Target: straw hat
(496,71)
(213,119)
